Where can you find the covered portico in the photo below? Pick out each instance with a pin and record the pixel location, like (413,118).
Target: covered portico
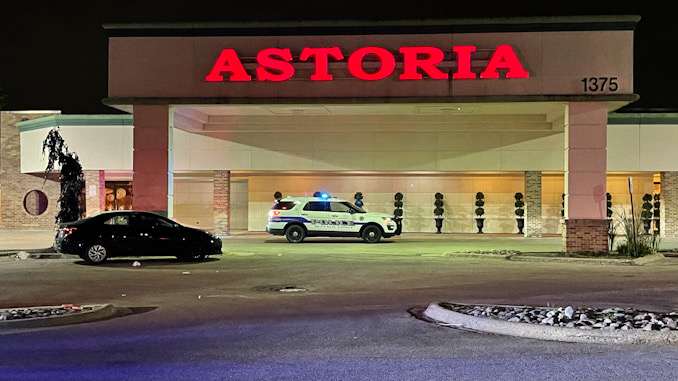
(220,100)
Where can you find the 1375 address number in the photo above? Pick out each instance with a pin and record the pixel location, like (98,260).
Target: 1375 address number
(599,84)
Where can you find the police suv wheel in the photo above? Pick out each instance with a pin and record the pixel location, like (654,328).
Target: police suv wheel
(372,234)
(295,234)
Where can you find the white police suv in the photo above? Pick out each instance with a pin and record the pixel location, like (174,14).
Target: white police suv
(299,217)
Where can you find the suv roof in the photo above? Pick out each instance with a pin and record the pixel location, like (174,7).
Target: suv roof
(301,199)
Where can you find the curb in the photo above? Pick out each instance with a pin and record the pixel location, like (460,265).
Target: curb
(36,254)
(44,250)
(100,312)
(439,314)
(591,261)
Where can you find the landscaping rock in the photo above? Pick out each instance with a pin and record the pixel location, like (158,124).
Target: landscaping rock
(609,319)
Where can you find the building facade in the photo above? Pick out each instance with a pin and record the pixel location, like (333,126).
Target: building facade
(225,115)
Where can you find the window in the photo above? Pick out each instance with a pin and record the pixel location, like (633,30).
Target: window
(152,221)
(317,206)
(118,195)
(35,202)
(118,220)
(339,207)
(283,205)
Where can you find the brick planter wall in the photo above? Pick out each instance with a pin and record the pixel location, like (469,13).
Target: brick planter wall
(584,235)
(668,225)
(222,202)
(533,204)
(95,202)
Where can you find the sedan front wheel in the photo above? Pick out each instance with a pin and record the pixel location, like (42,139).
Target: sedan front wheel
(196,253)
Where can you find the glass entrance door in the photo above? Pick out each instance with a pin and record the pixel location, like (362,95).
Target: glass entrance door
(118,195)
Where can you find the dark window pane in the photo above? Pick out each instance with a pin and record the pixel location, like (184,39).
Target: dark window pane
(283,205)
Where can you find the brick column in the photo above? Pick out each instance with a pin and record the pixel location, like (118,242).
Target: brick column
(150,179)
(585,177)
(15,185)
(95,192)
(668,212)
(533,204)
(222,203)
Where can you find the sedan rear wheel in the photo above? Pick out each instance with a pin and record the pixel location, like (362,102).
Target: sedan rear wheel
(95,254)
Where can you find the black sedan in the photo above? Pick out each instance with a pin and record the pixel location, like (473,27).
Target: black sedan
(133,233)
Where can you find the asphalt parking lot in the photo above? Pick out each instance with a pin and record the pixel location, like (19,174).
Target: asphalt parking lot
(348,312)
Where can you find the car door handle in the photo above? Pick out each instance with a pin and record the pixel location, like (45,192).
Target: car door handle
(335,215)
(304,214)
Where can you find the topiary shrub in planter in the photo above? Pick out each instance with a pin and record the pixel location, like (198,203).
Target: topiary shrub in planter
(520,212)
(398,212)
(438,211)
(359,199)
(646,214)
(480,220)
(277,196)
(656,213)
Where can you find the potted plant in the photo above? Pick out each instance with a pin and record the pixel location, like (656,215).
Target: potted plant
(657,206)
(398,212)
(480,220)
(646,214)
(359,199)
(520,212)
(277,196)
(438,211)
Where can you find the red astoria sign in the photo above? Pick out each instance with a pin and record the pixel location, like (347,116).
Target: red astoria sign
(274,64)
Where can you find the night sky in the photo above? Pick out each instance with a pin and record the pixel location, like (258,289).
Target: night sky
(53,56)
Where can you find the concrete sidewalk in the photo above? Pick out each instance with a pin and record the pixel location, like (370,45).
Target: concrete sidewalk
(29,239)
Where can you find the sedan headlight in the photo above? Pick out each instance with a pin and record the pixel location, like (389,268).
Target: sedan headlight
(387,219)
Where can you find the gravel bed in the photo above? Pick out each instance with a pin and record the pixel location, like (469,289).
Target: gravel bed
(609,319)
(39,312)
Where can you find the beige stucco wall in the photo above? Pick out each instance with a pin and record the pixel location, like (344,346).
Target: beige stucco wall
(418,191)
(98,147)
(380,150)
(194,198)
(193,202)
(631,147)
(557,63)
(642,147)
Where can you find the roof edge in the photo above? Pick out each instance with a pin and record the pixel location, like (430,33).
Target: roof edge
(380,23)
(75,120)
(368,27)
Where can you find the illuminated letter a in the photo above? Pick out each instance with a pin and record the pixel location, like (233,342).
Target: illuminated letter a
(504,58)
(228,61)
